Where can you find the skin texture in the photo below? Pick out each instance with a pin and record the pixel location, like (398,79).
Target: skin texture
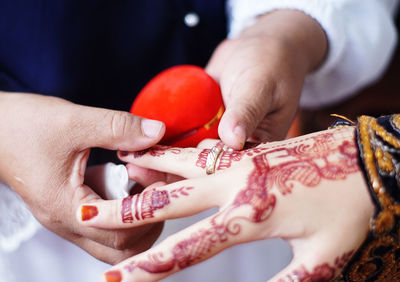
(284,189)
(44,146)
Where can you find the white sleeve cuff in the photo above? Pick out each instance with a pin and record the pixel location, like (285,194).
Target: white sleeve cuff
(361,37)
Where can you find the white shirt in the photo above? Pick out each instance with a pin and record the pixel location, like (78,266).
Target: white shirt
(361,35)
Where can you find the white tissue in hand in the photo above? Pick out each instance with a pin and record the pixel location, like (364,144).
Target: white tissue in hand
(116,181)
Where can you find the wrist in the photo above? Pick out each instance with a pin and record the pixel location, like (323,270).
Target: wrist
(378,143)
(297,32)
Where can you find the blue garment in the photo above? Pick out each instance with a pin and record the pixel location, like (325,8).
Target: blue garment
(100,52)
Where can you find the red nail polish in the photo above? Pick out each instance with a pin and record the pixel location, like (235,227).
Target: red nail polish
(124,153)
(113,276)
(88,212)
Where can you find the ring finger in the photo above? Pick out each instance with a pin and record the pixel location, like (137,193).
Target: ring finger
(155,204)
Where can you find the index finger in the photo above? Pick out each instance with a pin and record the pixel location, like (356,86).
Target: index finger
(185,162)
(154,204)
(188,247)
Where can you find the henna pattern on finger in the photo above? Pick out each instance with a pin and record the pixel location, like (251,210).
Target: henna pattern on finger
(150,201)
(229,156)
(326,156)
(202,243)
(225,160)
(251,149)
(192,250)
(202,158)
(147,202)
(126,211)
(180,191)
(156,151)
(139,154)
(321,273)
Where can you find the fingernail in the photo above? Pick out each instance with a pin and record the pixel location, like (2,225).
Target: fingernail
(113,276)
(123,153)
(240,134)
(88,212)
(151,128)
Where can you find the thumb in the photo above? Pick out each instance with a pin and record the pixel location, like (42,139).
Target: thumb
(245,109)
(115,130)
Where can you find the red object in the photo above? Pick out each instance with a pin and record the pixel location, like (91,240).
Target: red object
(187,100)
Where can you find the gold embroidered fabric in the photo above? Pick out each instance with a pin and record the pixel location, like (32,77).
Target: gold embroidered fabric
(378,259)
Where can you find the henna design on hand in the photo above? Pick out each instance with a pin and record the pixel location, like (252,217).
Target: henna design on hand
(228,156)
(149,201)
(156,151)
(309,164)
(322,272)
(326,156)
(145,204)
(188,252)
(126,211)
(202,158)
(180,191)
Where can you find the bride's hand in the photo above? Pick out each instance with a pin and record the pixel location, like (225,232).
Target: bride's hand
(307,190)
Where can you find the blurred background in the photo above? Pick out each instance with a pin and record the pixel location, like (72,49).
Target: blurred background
(380,98)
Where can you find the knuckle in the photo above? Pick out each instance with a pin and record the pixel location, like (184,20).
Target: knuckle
(50,214)
(49,220)
(250,113)
(119,123)
(120,241)
(122,255)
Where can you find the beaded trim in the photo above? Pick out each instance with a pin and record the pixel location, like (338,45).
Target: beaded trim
(378,259)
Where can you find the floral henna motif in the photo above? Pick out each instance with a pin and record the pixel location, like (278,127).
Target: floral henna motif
(325,157)
(156,151)
(155,264)
(256,194)
(188,252)
(147,202)
(320,273)
(309,164)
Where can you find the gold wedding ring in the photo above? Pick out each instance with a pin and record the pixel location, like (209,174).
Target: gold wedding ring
(212,159)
